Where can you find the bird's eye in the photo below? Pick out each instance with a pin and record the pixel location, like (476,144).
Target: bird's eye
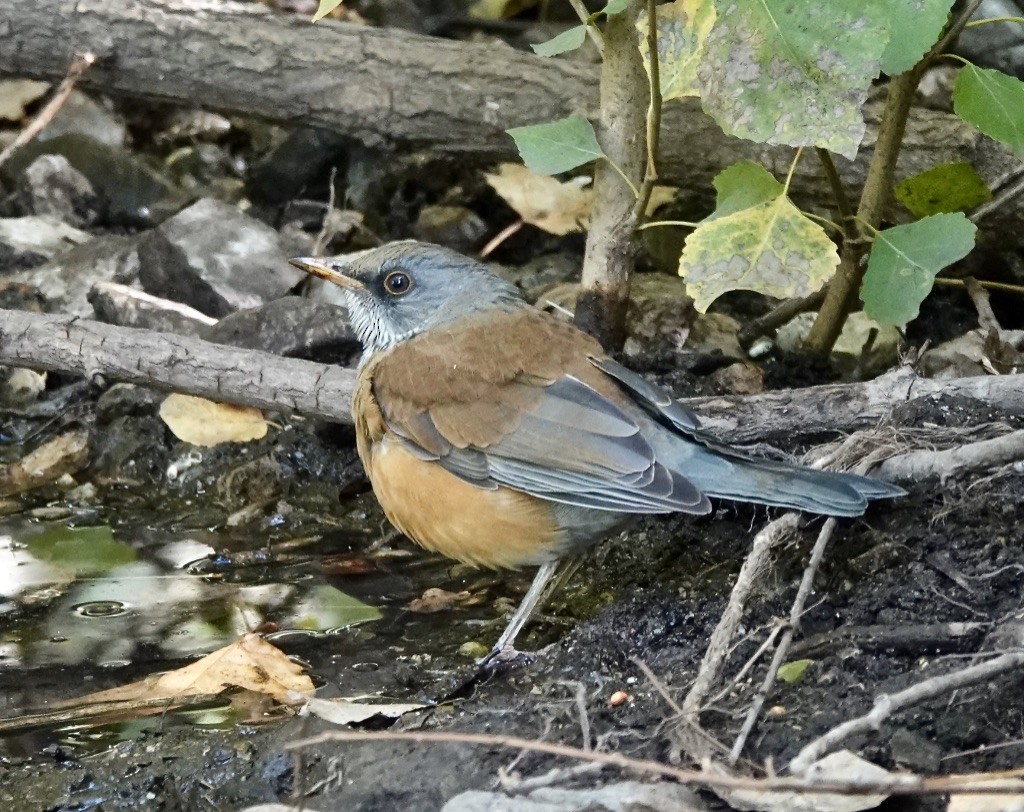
(397,283)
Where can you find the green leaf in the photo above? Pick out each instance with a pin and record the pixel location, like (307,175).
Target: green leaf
(83,550)
(904,261)
(914,27)
(942,189)
(993,102)
(614,7)
(326,7)
(780,72)
(325,608)
(742,186)
(568,40)
(770,248)
(683,27)
(793,670)
(558,146)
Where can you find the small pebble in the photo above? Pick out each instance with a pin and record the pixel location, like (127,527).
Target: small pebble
(618,698)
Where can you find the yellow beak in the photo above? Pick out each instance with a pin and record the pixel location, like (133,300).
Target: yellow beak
(320,268)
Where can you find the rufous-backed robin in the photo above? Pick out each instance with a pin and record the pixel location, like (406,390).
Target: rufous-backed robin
(500,435)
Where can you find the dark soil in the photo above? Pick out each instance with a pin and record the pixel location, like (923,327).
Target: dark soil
(948,552)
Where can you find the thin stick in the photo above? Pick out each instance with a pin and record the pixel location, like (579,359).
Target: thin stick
(653,114)
(835,182)
(500,237)
(780,315)
(755,564)
(1006,287)
(795,613)
(593,33)
(79,65)
(1002,197)
(885,705)
(896,785)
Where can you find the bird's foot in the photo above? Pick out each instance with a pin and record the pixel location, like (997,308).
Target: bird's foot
(504,659)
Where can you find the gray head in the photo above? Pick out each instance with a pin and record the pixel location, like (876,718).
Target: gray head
(404,288)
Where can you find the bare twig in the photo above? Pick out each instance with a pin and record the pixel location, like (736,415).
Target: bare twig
(1013,188)
(592,32)
(659,686)
(325,235)
(753,567)
(653,114)
(500,237)
(986,317)
(795,613)
(885,705)
(783,313)
(896,785)
(79,65)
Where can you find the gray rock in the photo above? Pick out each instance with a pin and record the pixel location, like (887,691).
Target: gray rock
(216,259)
(626,796)
(914,751)
(125,306)
(453,226)
(293,327)
(132,192)
(999,45)
(52,187)
(81,115)
(30,241)
(66,280)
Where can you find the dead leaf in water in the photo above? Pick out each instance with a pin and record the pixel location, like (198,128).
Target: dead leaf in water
(250,663)
(556,207)
(207,423)
(350,712)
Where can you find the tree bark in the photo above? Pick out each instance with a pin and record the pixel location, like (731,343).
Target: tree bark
(611,251)
(393,89)
(252,378)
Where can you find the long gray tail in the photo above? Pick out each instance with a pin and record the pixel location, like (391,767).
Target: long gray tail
(765,482)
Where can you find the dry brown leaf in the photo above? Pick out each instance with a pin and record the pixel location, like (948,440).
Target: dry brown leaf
(556,207)
(16,94)
(498,9)
(350,712)
(250,663)
(206,423)
(64,454)
(436,599)
(659,196)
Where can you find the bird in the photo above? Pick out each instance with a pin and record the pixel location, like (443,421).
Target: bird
(501,435)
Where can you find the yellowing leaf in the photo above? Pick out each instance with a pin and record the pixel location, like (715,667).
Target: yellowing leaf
(770,248)
(683,27)
(325,8)
(659,196)
(498,9)
(250,663)
(556,207)
(204,422)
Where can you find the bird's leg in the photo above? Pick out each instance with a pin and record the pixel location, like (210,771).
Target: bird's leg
(503,649)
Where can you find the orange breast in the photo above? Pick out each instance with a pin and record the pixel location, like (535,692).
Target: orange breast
(491,528)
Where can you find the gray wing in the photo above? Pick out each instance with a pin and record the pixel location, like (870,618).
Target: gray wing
(573,446)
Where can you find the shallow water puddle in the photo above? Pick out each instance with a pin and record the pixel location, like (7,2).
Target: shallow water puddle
(88,608)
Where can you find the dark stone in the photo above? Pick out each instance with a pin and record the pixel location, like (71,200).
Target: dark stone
(302,159)
(51,186)
(453,226)
(914,751)
(114,306)
(216,259)
(66,280)
(293,327)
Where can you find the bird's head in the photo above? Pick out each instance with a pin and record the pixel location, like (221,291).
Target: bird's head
(402,289)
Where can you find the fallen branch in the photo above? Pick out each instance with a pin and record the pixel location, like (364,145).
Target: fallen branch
(252,378)
(886,705)
(183,364)
(389,88)
(915,466)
